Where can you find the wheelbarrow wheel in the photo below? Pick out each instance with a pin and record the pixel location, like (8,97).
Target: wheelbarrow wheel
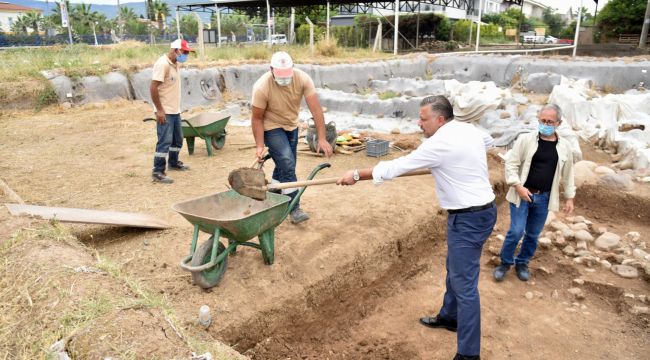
(211,277)
(219,141)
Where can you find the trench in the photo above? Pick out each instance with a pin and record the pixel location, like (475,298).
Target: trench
(307,327)
(323,323)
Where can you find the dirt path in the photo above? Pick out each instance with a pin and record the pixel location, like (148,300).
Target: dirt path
(350,283)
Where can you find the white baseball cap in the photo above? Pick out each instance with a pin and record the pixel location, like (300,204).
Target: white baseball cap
(282,64)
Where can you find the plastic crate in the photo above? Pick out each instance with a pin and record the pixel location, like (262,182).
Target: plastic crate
(376,148)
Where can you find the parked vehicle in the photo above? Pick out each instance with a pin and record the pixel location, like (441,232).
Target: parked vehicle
(551,40)
(534,39)
(278,39)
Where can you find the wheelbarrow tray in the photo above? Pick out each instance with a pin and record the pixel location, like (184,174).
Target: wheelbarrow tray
(238,217)
(206,124)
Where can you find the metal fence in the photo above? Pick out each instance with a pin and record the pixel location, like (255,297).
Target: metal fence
(8,40)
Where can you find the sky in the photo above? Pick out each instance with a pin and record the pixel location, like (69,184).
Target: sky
(561,5)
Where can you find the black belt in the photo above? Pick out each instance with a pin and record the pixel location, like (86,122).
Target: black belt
(535,191)
(471,209)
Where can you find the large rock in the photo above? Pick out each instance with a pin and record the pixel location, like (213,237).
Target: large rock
(545,242)
(579,226)
(583,235)
(569,250)
(608,241)
(604,170)
(542,83)
(625,271)
(584,173)
(639,254)
(621,182)
(558,225)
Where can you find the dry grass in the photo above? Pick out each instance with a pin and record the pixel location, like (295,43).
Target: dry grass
(81,60)
(43,300)
(327,48)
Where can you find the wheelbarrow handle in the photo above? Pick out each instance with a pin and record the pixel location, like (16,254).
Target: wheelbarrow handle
(333,180)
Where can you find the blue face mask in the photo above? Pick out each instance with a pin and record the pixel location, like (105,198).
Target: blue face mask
(546,130)
(181,58)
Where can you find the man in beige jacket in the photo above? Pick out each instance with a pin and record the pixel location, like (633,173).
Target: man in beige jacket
(535,166)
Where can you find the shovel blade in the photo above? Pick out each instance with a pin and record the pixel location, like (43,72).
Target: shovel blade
(248,182)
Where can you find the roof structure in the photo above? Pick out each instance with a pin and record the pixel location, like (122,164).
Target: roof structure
(5,6)
(346,6)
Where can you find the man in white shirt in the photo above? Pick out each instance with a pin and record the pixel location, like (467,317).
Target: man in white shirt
(455,152)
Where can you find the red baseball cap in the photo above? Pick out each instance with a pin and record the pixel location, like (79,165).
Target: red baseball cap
(180,44)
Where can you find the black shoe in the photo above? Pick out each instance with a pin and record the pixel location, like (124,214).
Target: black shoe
(439,322)
(161,178)
(463,357)
(500,272)
(179,166)
(522,272)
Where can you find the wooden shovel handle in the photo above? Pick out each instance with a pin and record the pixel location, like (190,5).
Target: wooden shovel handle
(332,180)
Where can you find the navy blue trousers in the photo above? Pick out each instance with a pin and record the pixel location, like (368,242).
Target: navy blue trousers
(466,234)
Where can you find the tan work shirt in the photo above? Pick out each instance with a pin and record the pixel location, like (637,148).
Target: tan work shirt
(518,162)
(282,103)
(165,71)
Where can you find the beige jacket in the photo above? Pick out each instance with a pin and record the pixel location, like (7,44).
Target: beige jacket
(518,163)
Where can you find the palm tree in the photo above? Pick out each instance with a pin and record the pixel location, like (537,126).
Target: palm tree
(127,13)
(20,25)
(86,17)
(34,19)
(160,11)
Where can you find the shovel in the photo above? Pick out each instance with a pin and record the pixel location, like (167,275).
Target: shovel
(252,185)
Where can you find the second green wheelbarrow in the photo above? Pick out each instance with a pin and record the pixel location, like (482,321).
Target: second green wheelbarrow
(209,126)
(237,218)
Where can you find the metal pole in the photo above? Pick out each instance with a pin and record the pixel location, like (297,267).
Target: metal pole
(478,26)
(521,17)
(471,29)
(218,25)
(311,35)
(328,21)
(178,25)
(293,24)
(575,40)
(268,22)
(417,28)
(644,29)
(396,29)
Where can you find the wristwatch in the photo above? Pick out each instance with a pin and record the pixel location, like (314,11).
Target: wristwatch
(356,175)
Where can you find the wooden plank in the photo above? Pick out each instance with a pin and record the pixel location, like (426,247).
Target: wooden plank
(86,216)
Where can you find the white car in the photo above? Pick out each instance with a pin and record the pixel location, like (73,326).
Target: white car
(551,40)
(279,39)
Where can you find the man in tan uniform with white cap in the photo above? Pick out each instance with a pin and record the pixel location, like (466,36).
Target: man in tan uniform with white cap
(276,104)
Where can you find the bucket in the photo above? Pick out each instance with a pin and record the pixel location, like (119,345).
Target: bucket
(312,135)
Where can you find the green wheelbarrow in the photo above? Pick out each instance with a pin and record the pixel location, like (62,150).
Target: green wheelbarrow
(237,218)
(209,126)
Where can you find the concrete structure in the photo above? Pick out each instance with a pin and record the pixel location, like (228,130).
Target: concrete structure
(9,12)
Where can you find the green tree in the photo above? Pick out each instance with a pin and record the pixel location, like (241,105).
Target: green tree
(34,19)
(622,17)
(554,21)
(127,14)
(20,25)
(189,25)
(160,12)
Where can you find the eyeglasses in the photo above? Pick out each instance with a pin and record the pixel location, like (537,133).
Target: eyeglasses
(548,122)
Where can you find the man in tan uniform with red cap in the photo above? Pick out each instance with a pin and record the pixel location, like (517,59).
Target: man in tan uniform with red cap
(276,105)
(166,96)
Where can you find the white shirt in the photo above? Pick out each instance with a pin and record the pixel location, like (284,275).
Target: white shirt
(456,156)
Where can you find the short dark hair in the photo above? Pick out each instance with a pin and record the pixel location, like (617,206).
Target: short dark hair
(439,104)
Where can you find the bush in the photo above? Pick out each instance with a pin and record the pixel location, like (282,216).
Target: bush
(302,34)
(327,48)
(488,31)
